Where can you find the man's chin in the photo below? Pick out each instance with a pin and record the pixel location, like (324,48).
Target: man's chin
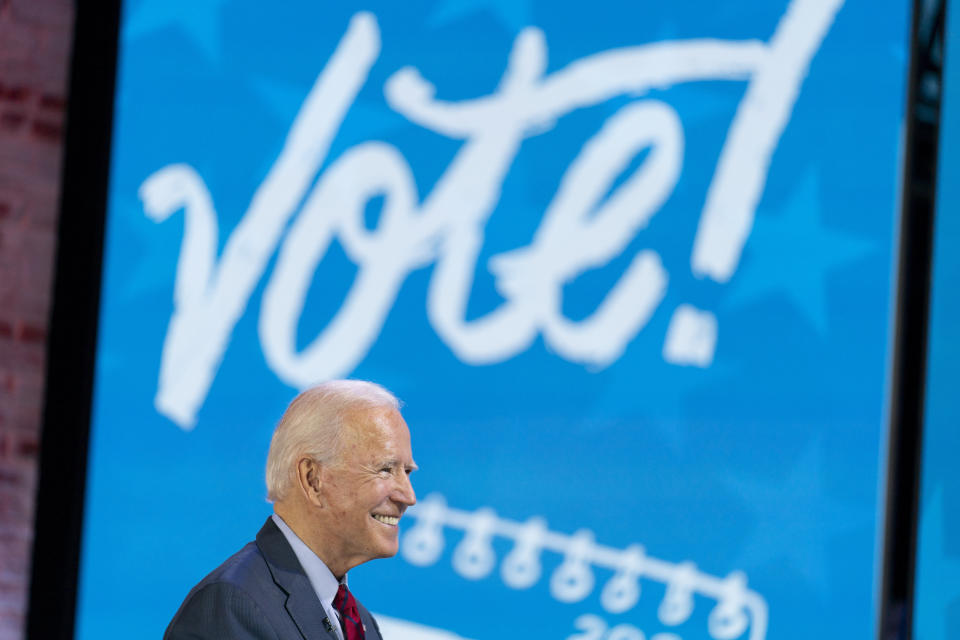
(389,548)
(387,541)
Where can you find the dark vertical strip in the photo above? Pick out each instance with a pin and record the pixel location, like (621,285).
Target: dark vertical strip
(910,338)
(73,323)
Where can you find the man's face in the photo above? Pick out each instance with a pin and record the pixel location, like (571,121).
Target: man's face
(368,488)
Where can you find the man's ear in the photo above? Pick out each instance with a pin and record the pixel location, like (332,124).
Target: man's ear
(308,474)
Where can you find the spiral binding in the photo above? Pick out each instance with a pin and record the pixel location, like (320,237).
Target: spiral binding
(736,609)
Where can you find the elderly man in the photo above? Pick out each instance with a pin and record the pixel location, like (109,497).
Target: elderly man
(338,473)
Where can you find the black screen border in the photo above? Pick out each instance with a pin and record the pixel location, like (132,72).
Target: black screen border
(74,315)
(911,323)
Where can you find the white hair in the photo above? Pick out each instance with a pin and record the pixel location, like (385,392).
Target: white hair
(312,426)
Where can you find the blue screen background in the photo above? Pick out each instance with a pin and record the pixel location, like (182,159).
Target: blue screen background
(762,462)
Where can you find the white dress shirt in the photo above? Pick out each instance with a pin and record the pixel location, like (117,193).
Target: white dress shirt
(324,583)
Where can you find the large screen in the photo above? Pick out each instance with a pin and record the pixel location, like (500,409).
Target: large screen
(628,265)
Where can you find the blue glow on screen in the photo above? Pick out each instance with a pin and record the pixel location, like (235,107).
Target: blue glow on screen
(627,264)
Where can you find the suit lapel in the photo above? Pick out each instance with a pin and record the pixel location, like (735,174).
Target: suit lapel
(302,603)
(370,628)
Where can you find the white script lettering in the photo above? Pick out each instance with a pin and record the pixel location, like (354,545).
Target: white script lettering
(585,225)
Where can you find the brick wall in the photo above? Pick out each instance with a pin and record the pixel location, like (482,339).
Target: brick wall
(35,40)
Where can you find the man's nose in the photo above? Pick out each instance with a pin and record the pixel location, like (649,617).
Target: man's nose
(405,494)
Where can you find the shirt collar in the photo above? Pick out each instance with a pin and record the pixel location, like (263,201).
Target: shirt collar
(324,583)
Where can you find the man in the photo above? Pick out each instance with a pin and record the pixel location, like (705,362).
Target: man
(338,476)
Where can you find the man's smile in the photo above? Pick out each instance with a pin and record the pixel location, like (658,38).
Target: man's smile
(387,520)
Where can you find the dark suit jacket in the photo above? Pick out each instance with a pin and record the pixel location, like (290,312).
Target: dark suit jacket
(259,593)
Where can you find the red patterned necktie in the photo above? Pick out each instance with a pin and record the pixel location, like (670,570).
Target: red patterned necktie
(349,616)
